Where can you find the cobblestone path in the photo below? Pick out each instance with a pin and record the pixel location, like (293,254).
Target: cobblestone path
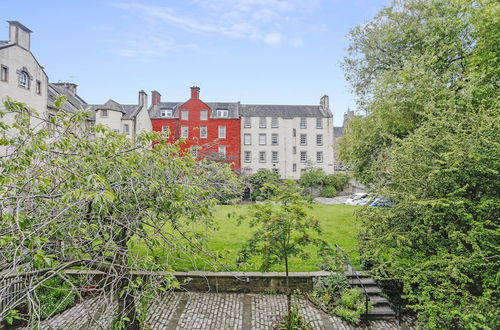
(217,311)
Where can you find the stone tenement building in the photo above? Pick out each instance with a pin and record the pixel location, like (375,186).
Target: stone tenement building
(286,139)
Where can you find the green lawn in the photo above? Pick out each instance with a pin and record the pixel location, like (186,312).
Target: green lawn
(337,221)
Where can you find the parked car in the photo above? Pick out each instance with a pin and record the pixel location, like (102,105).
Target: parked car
(364,201)
(381,201)
(354,199)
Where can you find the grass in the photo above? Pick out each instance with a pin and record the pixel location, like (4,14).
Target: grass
(337,222)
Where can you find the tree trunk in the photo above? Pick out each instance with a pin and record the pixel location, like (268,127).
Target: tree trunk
(288,293)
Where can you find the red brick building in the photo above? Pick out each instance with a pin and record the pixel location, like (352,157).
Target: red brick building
(211,130)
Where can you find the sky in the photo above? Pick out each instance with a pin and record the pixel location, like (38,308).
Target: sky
(252,51)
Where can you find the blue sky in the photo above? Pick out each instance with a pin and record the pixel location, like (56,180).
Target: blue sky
(253,51)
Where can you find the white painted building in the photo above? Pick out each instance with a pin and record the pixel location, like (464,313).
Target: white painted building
(287,138)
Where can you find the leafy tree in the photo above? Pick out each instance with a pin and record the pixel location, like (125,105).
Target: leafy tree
(259,179)
(426,74)
(312,178)
(74,195)
(282,230)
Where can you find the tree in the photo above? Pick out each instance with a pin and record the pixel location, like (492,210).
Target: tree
(259,179)
(282,230)
(426,74)
(312,177)
(74,195)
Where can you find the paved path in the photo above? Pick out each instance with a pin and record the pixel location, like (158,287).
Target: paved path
(215,311)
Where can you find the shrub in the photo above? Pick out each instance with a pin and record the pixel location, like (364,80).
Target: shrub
(351,306)
(328,192)
(294,321)
(261,177)
(313,177)
(338,181)
(54,296)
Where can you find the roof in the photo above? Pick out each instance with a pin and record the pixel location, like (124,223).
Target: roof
(73,101)
(129,111)
(237,110)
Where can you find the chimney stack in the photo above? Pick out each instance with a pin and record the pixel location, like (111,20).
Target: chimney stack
(155,98)
(143,99)
(19,34)
(325,102)
(195,92)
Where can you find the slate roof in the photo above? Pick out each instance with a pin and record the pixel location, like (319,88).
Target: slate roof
(237,110)
(129,111)
(73,102)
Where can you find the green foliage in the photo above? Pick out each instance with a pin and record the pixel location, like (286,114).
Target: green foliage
(426,74)
(338,181)
(54,296)
(351,306)
(259,179)
(294,321)
(312,177)
(328,192)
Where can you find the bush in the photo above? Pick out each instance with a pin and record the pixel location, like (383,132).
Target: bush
(54,296)
(328,192)
(351,306)
(338,181)
(258,179)
(313,177)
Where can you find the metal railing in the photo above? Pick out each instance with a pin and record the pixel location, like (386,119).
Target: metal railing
(351,270)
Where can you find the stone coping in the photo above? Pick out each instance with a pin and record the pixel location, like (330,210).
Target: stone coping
(209,274)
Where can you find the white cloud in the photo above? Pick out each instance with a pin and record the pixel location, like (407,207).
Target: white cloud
(273,38)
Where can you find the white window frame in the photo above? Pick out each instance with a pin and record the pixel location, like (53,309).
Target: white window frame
(204,115)
(262,156)
(319,156)
(194,151)
(303,156)
(165,129)
(319,139)
(185,132)
(222,151)
(274,157)
(262,139)
(184,114)
(274,122)
(166,113)
(126,129)
(248,156)
(203,132)
(262,122)
(24,79)
(247,122)
(222,113)
(275,139)
(222,132)
(319,122)
(303,139)
(247,139)
(303,122)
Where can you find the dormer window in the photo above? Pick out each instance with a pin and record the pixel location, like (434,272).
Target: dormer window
(166,113)
(222,113)
(24,80)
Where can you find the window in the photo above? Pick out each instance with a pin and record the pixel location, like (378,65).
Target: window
(203,132)
(319,156)
(248,156)
(274,122)
(262,122)
(319,122)
(262,156)
(222,113)
(294,150)
(274,139)
(247,122)
(4,73)
(166,113)
(194,151)
(126,129)
(319,139)
(184,132)
(294,167)
(275,170)
(184,115)
(303,122)
(165,130)
(104,113)
(274,155)
(222,151)
(203,115)
(303,139)
(247,139)
(294,132)
(303,156)
(39,87)
(222,132)
(24,79)
(262,139)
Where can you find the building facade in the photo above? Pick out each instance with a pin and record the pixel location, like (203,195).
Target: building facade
(210,130)
(287,139)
